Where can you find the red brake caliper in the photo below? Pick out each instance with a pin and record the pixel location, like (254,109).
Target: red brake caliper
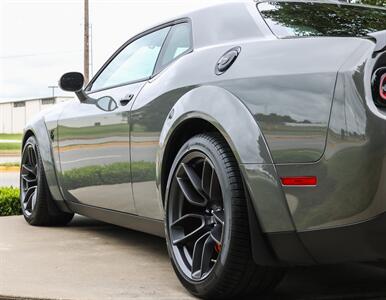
(217,248)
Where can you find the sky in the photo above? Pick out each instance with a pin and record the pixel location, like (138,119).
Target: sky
(41,40)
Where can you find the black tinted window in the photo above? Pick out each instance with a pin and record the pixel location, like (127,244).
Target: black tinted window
(178,43)
(295,19)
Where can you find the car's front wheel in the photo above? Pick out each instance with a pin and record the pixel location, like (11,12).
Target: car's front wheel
(36,201)
(207,223)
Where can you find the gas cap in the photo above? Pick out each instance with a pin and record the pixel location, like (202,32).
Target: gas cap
(227,60)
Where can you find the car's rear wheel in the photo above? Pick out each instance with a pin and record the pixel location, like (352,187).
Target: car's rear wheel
(207,223)
(36,201)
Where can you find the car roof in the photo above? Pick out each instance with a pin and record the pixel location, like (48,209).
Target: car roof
(233,20)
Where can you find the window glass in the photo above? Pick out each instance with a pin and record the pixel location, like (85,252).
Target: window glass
(135,62)
(178,42)
(48,101)
(19,104)
(297,19)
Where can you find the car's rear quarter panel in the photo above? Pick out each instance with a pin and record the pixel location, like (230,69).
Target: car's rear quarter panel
(288,85)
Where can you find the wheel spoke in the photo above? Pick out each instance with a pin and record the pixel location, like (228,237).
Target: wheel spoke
(190,193)
(31,155)
(207,173)
(35,160)
(216,233)
(215,189)
(195,180)
(197,256)
(29,193)
(28,169)
(28,178)
(219,216)
(33,201)
(30,199)
(207,252)
(28,204)
(188,228)
(28,158)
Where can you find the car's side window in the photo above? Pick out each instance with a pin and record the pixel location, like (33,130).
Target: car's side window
(135,62)
(178,42)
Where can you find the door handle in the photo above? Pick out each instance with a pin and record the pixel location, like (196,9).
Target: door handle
(126,100)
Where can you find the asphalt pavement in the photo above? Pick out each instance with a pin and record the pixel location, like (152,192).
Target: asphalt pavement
(93,260)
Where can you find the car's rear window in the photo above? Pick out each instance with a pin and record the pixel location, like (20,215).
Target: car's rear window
(301,19)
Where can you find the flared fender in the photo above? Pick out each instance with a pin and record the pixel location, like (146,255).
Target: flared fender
(231,117)
(39,129)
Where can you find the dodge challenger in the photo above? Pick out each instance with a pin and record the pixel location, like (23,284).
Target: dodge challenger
(251,135)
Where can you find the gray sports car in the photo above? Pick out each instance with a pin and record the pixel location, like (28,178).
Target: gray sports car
(250,134)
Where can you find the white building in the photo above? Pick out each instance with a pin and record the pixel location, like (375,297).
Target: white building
(14,115)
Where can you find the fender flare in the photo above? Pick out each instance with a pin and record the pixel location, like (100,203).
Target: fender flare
(222,109)
(38,128)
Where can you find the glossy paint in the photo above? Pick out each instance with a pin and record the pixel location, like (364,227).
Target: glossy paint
(351,172)
(291,107)
(93,141)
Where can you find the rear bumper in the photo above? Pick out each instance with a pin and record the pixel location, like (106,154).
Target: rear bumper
(362,242)
(365,241)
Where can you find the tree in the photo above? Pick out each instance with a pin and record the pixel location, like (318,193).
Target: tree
(313,19)
(375,2)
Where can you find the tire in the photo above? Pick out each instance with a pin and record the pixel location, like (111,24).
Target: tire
(231,272)
(38,206)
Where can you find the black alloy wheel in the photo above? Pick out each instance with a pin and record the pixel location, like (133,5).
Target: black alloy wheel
(29,178)
(37,203)
(207,224)
(197,216)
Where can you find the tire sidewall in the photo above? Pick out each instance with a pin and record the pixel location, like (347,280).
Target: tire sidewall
(198,143)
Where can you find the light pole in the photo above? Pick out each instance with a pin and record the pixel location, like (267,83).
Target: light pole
(53,87)
(86,53)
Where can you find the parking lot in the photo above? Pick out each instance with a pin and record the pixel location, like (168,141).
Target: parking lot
(93,260)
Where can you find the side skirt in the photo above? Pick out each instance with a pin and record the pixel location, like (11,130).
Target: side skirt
(151,226)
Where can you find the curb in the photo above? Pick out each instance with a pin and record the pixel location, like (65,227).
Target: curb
(22,298)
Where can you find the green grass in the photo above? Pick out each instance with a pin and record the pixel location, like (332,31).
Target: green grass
(9,201)
(6,136)
(10,146)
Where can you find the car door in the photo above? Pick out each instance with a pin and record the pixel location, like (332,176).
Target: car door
(147,118)
(94,135)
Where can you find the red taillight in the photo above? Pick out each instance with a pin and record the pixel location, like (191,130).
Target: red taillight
(382,87)
(299,181)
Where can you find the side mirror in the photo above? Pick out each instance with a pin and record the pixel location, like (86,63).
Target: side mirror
(73,82)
